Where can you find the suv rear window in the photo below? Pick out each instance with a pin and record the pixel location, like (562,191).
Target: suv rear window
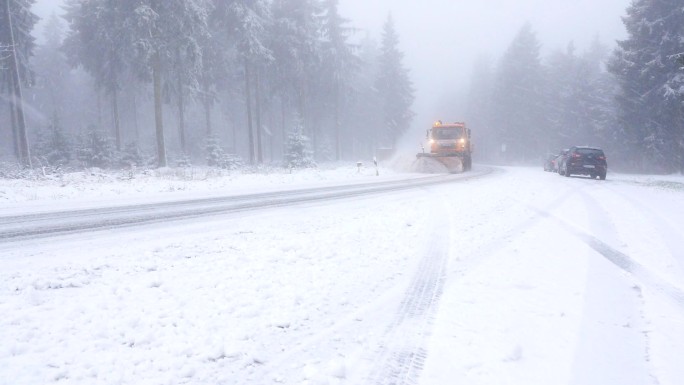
(589,151)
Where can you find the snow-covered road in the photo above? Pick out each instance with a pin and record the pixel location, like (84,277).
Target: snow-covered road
(54,221)
(518,277)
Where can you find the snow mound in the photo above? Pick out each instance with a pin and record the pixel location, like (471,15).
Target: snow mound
(409,163)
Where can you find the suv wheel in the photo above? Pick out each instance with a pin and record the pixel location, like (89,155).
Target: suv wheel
(602,176)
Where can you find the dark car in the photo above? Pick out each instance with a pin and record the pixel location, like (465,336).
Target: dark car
(559,160)
(550,162)
(589,161)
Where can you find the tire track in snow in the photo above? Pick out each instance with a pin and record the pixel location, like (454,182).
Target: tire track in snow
(619,259)
(625,262)
(600,220)
(669,231)
(402,353)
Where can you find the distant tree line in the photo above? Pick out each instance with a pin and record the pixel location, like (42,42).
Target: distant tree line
(236,79)
(629,101)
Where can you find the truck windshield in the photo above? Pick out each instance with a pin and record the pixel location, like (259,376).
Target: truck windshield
(447,134)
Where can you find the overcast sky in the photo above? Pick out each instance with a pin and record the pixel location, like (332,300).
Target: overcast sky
(442,38)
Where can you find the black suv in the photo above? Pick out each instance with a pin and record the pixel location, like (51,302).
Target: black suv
(589,161)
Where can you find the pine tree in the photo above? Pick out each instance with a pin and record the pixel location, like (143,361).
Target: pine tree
(95,149)
(338,66)
(251,20)
(131,156)
(364,104)
(648,67)
(16,23)
(217,157)
(298,153)
(296,49)
(53,148)
(214,151)
(480,107)
(52,71)
(580,96)
(100,41)
(519,100)
(394,87)
(167,36)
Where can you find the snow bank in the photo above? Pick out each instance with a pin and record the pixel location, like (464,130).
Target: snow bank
(98,187)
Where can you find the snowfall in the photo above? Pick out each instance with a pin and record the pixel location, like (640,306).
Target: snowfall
(531,278)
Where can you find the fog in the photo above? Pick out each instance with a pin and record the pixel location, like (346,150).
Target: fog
(452,50)
(442,38)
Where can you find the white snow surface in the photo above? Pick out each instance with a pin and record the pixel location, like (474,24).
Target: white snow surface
(540,279)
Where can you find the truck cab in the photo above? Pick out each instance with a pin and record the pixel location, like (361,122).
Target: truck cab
(449,139)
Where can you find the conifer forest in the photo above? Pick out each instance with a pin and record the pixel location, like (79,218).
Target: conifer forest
(293,83)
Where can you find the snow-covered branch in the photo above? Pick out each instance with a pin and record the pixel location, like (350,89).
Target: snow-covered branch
(679,57)
(4,55)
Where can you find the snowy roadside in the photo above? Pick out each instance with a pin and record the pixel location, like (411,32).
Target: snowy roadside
(240,299)
(93,188)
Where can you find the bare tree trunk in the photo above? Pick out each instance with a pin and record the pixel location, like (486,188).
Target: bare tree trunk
(13,118)
(260,157)
(248,102)
(230,122)
(115,114)
(181,113)
(283,115)
(159,125)
(338,131)
(17,98)
(271,142)
(99,107)
(207,114)
(135,118)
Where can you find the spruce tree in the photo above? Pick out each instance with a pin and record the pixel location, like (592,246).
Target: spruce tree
(520,112)
(131,156)
(16,24)
(53,147)
(648,66)
(339,63)
(96,149)
(365,114)
(217,157)
(479,108)
(214,151)
(52,83)
(298,153)
(100,41)
(394,88)
(296,49)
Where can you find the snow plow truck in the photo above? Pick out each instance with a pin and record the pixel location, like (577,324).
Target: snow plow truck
(449,145)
